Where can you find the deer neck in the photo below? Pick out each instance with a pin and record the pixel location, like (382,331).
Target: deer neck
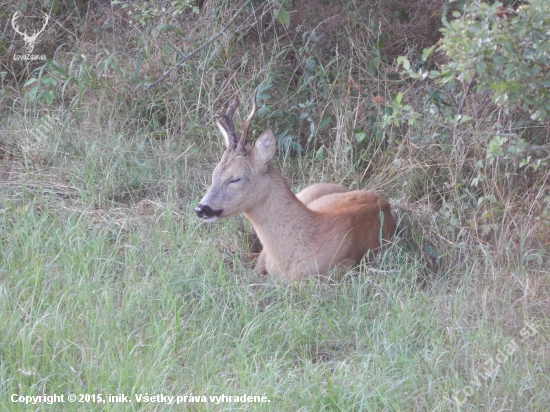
(284,225)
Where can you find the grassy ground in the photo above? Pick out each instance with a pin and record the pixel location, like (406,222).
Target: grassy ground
(139,297)
(109,284)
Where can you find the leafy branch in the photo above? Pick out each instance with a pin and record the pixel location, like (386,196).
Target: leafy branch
(196,51)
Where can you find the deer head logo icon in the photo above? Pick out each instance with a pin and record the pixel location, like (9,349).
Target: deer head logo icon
(29,40)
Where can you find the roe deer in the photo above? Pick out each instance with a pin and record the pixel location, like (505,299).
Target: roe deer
(325,226)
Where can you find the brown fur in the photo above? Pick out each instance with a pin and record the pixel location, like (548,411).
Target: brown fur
(335,230)
(317,190)
(306,196)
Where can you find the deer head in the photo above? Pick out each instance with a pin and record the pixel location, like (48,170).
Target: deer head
(239,180)
(29,40)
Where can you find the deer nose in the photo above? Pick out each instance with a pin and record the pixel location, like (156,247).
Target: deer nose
(206,212)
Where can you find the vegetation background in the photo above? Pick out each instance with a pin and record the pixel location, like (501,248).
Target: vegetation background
(110,285)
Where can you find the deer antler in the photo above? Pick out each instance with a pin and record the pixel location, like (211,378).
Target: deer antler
(246,125)
(226,121)
(45,24)
(16,27)
(30,40)
(36,33)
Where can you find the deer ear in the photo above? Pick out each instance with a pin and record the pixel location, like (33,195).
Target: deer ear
(264,147)
(224,134)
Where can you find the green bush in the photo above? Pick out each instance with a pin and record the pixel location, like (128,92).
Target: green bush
(505,51)
(491,47)
(145,11)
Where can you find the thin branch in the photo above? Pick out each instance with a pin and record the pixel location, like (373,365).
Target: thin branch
(196,51)
(473,133)
(468,87)
(537,148)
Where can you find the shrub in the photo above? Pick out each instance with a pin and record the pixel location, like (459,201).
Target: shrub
(501,50)
(505,51)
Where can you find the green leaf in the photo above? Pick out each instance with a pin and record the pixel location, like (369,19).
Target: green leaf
(426,52)
(320,154)
(48,81)
(399,97)
(360,136)
(324,123)
(284,17)
(382,39)
(168,27)
(47,95)
(465,118)
(405,62)
(138,66)
(430,251)
(394,77)
(29,82)
(56,67)
(32,93)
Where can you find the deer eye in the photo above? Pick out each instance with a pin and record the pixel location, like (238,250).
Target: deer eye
(234,181)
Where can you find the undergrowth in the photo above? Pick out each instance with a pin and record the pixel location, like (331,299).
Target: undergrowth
(109,284)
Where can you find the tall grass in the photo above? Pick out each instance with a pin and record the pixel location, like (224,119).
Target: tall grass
(110,285)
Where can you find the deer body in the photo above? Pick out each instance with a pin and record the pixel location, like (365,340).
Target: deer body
(317,190)
(333,231)
(322,228)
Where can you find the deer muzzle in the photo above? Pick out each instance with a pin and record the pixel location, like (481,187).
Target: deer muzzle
(206,213)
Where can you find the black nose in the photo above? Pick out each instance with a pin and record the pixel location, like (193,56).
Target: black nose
(205,211)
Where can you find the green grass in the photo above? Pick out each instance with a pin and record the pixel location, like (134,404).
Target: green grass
(109,284)
(109,294)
